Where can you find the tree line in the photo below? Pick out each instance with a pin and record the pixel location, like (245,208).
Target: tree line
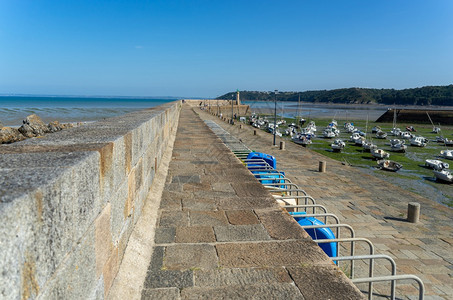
(428,95)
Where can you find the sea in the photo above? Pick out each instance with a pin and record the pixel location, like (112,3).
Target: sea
(13,109)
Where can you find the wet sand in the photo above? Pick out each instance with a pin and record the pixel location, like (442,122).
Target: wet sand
(330,110)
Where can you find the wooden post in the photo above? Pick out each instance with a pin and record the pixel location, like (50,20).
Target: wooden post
(413,212)
(254,131)
(282,145)
(322,166)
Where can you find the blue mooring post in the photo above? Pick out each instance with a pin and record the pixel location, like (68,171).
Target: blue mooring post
(275,113)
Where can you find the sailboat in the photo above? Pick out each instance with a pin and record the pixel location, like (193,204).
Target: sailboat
(299,120)
(435,129)
(368,145)
(395,131)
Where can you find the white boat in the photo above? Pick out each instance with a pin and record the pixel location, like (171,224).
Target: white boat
(443,175)
(440,139)
(448,142)
(376,129)
(389,165)
(329,133)
(448,154)
(302,139)
(368,146)
(379,154)
(436,129)
(395,131)
(360,141)
(406,135)
(418,141)
(337,145)
(381,134)
(397,145)
(349,127)
(436,164)
(354,137)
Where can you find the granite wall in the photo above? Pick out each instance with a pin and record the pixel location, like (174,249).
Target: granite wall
(69,202)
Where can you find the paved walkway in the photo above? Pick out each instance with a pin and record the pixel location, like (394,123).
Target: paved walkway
(376,209)
(220,235)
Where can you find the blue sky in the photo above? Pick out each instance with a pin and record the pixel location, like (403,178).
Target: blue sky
(206,48)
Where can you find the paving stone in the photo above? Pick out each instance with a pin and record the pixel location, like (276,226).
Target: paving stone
(186,179)
(163,293)
(329,282)
(280,225)
(264,254)
(185,256)
(197,234)
(168,278)
(268,291)
(248,190)
(207,218)
(236,276)
(174,219)
(233,233)
(242,217)
(198,204)
(171,204)
(197,187)
(165,235)
(156,259)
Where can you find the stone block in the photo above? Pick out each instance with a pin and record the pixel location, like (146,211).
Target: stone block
(165,235)
(265,291)
(242,217)
(87,199)
(130,194)
(14,241)
(197,234)
(161,293)
(280,225)
(207,218)
(236,276)
(117,203)
(174,219)
(110,270)
(75,278)
(103,239)
(190,256)
(234,233)
(198,204)
(168,279)
(329,280)
(290,253)
(186,179)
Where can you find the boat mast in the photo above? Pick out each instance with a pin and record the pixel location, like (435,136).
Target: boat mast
(298,111)
(394,117)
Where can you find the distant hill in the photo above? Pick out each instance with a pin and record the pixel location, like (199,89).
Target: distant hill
(428,95)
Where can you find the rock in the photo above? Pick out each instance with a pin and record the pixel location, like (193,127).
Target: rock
(10,135)
(66,125)
(33,126)
(54,126)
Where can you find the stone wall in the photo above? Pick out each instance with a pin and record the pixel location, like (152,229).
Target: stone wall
(69,202)
(442,117)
